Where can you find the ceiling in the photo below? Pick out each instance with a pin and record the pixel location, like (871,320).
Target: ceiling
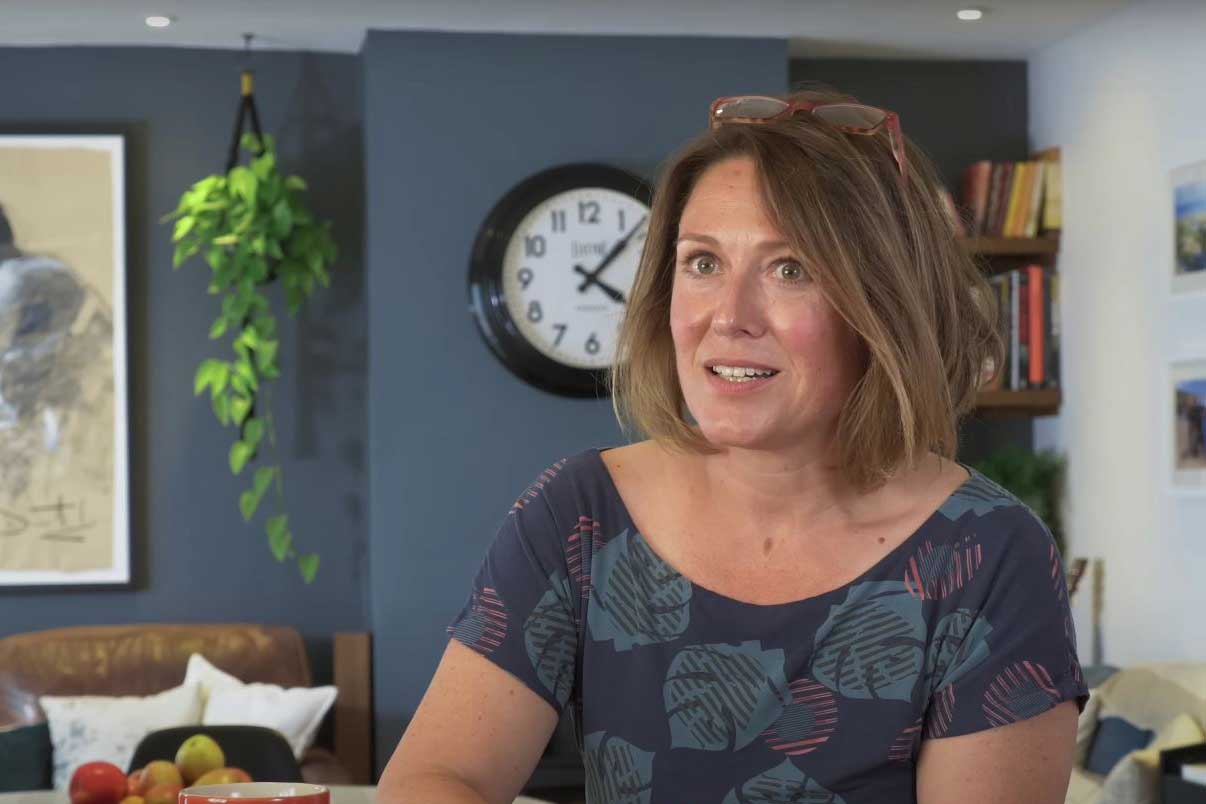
(922,29)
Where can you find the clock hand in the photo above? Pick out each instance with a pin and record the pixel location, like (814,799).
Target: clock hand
(615,250)
(591,279)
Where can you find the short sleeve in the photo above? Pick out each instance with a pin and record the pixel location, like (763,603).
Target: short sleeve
(1007,650)
(520,612)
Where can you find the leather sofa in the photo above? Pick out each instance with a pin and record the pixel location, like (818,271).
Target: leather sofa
(143,659)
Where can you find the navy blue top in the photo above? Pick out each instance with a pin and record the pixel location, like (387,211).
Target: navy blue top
(681,694)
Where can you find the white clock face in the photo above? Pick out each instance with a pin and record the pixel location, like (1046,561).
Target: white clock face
(566,302)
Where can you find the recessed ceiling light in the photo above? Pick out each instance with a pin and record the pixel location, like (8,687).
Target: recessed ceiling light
(970,14)
(159,22)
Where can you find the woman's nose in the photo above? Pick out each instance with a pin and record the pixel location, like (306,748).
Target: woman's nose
(738,309)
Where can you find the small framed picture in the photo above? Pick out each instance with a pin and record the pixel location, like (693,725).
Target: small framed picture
(1189,213)
(1189,426)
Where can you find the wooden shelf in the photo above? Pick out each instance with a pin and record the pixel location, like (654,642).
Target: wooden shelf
(1011,246)
(1031,402)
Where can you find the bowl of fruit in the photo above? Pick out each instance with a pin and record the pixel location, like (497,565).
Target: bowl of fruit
(199,761)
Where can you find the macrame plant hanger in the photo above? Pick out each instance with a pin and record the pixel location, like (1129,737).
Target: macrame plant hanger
(247,110)
(247,113)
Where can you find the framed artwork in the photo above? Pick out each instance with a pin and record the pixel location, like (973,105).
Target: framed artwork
(1189,210)
(1189,426)
(64,501)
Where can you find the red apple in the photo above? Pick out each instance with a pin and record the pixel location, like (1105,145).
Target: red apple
(97,783)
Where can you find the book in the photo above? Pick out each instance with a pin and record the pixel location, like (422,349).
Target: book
(1025,182)
(1034,208)
(1003,190)
(1023,329)
(1053,373)
(1015,197)
(994,199)
(1052,216)
(1014,354)
(975,194)
(1034,277)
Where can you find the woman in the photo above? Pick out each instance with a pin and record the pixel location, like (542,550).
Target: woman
(789,592)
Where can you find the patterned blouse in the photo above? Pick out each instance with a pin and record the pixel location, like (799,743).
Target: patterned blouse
(681,695)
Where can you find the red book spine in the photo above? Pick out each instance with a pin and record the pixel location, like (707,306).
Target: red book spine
(1023,330)
(1037,326)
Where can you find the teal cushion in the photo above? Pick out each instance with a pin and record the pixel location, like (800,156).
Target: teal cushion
(1114,739)
(25,758)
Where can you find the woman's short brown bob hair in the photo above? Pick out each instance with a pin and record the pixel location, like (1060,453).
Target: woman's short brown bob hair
(886,258)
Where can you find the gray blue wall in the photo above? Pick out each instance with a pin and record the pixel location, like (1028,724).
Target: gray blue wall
(452,121)
(195,560)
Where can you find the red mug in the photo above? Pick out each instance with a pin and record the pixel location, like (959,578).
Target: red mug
(256,793)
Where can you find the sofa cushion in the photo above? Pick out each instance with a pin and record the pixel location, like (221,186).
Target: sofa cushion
(1083,787)
(296,712)
(1114,739)
(25,758)
(87,728)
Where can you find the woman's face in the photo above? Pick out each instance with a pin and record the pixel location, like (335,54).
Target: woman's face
(741,299)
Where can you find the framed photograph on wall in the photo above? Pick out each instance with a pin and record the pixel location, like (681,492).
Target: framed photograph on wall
(1189,213)
(64,502)
(1189,426)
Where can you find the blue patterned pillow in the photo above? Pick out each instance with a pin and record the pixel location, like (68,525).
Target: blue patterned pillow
(25,758)
(1114,739)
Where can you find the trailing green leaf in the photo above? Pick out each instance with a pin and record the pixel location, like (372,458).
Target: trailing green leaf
(308,564)
(240,453)
(279,537)
(252,226)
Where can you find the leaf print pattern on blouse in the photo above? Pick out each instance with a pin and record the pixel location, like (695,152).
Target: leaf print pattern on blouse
(807,722)
(873,644)
(782,784)
(978,495)
(959,645)
(551,637)
(721,697)
(485,627)
(636,598)
(617,772)
(1022,690)
(935,573)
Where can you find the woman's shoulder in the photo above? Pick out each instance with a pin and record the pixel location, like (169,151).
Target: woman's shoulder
(996,538)
(572,486)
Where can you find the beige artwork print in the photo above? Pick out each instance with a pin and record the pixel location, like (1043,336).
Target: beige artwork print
(56,359)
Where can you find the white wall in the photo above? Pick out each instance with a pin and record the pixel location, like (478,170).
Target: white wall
(1126,101)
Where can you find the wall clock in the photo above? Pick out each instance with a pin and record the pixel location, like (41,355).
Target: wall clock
(551,271)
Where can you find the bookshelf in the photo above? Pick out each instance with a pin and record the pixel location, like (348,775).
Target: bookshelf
(998,255)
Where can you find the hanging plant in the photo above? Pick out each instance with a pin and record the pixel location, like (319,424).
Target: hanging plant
(253,228)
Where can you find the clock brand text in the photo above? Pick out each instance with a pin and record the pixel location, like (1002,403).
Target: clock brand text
(579,249)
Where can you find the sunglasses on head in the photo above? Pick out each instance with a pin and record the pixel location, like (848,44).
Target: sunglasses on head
(852,118)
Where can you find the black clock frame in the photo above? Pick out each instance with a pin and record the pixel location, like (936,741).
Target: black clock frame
(486,297)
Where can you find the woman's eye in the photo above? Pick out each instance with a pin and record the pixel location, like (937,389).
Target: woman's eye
(703,264)
(791,271)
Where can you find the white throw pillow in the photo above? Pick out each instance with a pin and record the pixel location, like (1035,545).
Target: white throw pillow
(296,712)
(88,728)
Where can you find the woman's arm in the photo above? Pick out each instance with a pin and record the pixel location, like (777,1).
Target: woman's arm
(475,739)
(1028,762)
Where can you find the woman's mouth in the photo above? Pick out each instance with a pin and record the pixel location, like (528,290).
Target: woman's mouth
(730,379)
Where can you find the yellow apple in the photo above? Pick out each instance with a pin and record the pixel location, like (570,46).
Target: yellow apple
(198,755)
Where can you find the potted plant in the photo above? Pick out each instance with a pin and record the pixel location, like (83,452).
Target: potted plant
(1035,478)
(253,228)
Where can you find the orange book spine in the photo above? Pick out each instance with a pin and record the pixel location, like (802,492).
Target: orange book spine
(1037,326)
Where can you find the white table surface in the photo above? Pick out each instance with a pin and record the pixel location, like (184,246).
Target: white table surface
(340,794)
